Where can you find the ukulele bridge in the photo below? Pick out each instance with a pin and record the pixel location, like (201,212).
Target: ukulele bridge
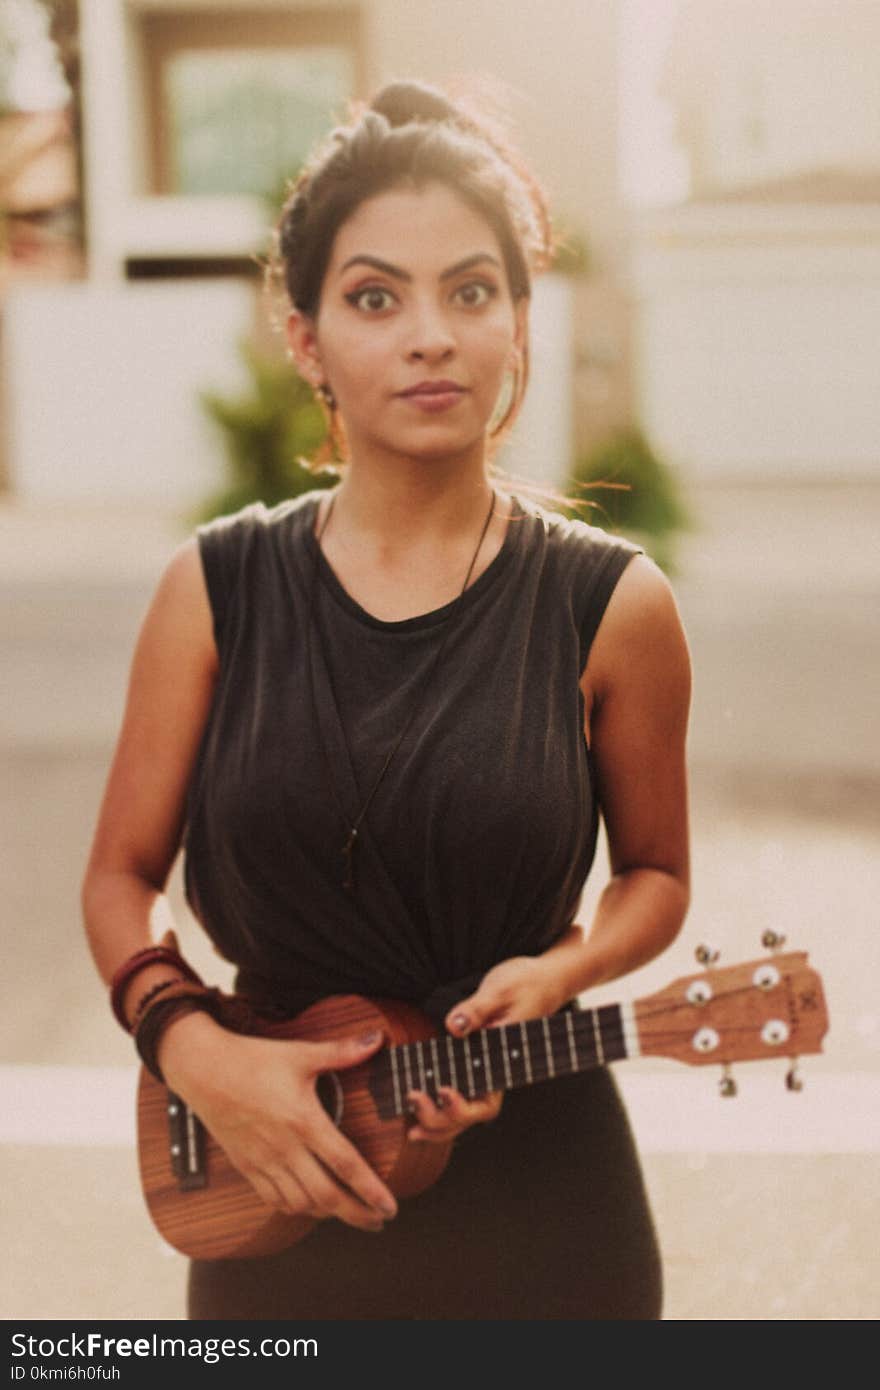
(186,1145)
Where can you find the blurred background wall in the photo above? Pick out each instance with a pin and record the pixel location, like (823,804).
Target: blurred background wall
(716,165)
(190,117)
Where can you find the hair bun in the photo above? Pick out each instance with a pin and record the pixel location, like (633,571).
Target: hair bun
(402,102)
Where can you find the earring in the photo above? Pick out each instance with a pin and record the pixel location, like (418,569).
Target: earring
(326,395)
(508,399)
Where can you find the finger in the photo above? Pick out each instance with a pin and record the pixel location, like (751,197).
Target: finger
(279,1190)
(440,1123)
(457,1110)
(462,1111)
(343,1052)
(478,1011)
(348,1167)
(329,1199)
(429,1112)
(426,1114)
(491,1106)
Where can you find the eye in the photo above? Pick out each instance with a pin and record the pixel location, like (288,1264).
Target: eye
(371,299)
(475,293)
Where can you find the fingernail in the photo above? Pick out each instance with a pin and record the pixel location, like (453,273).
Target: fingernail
(367,1039)
(388,1208)
(460,1022)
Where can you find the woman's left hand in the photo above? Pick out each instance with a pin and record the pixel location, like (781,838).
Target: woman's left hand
(518,989)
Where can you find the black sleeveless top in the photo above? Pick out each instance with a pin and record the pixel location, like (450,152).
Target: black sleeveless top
(480,837)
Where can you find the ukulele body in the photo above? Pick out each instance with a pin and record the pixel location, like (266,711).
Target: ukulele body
(206,1209)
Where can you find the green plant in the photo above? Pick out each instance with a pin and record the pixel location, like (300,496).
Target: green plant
(573,255)
(266,431)
(634,491)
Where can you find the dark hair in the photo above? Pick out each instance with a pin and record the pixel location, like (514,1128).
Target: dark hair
(412,134)
(409,134)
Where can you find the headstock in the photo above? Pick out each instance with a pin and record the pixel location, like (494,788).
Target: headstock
(763,1008)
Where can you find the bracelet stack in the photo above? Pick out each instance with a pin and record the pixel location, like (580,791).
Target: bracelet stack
(182,993)
(151,955)
(182,998)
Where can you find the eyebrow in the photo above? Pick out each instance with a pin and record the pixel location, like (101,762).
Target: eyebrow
(404,275)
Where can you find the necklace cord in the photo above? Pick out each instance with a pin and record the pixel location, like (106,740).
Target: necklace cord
(354,828)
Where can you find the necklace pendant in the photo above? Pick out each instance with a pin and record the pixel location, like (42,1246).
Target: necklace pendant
(348,850)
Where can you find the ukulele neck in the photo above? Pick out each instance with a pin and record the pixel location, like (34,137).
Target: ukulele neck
(504,1058)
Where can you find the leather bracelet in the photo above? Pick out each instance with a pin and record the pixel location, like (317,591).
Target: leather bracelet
(156,1018)
(150,995)
(150,955)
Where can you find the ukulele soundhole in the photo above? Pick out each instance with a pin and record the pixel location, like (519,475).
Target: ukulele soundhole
(330,1095)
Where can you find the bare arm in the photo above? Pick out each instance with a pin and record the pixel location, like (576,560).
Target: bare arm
(256,1096)
(141,817)
(636,694)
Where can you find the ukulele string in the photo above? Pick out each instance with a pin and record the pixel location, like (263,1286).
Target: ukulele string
(672,1008)
(398,1061)
(539,1069)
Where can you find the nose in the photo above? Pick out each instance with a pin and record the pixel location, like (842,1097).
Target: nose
(430,338)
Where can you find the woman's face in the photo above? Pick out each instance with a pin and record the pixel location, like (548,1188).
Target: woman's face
(415,297)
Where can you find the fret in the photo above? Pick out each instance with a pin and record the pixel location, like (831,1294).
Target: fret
(421,1061)
(477,1064)
(488,1072)
(526,1053)
(548,1048)
(497,1063)
(516,1054)
(585,1028)
(398,1104)
(572,1046)
(438,1079)
(450,1053)
(505,1057)
(468,1066)
(561,1037)
(600,1055)
(406,1068)
(611,1027)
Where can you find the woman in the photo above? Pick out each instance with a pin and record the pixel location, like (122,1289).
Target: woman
(386,716)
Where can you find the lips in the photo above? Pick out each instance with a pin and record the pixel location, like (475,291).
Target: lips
(433,388)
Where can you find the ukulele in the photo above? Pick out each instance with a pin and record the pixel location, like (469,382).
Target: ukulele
(203,1206)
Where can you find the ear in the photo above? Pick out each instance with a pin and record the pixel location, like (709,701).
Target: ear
(302,341)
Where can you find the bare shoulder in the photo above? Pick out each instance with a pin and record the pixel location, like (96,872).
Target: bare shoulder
(642,596)
(179,616)
(182,579)
(641,643)
(170,688)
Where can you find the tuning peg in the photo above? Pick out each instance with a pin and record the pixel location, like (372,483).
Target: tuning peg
(727,1086)
(773,940)
(793,1078)
(707,955)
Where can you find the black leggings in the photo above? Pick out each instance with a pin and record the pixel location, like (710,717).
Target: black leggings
(540,1214)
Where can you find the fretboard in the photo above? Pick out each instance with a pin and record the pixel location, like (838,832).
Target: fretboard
(501,1059)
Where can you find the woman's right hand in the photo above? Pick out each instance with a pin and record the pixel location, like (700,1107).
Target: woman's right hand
(258,1098)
